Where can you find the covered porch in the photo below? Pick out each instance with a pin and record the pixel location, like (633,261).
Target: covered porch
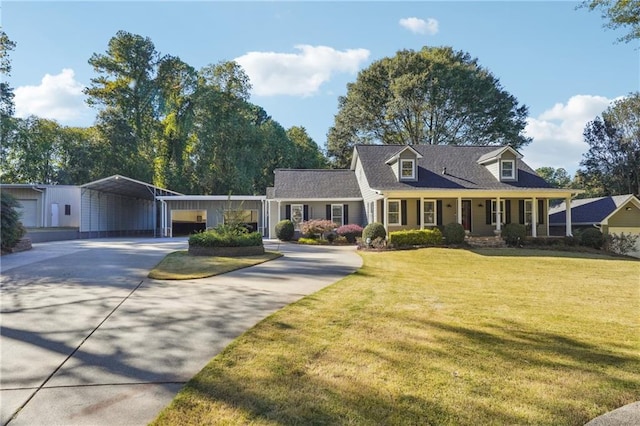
(481,214)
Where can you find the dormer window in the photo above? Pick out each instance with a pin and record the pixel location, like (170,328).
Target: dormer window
(407,169)
(508,170)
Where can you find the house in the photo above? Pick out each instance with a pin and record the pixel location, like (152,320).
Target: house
(416,187)
(612,215)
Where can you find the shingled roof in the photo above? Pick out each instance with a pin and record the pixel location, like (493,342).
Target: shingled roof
(315,184)
(587,211)
(461,163)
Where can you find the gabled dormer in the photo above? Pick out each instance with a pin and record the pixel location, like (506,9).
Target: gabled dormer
(405,164)
(502,163)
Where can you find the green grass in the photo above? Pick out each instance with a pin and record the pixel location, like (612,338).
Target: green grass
(180,265)
(436,336)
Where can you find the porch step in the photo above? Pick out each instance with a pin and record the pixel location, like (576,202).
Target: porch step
(485,242)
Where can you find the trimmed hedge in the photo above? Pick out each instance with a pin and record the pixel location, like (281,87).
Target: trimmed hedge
(415,237)
(213,238)
(374,230)
(285,230)
(350,232)
(453,233)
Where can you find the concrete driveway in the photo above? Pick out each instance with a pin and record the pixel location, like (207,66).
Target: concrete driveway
(86,338)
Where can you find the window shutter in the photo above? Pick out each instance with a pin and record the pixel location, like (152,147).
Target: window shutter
(521,212)
(287,211)
(403,211)
(487,204)
(439,212)
(345,214)
(328,212)
(418,212)
(541,212)
(381,218)
(305,212)
(507,211)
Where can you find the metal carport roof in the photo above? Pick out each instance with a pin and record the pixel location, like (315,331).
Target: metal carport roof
(123,185)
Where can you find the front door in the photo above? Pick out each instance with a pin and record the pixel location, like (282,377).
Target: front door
(466,215)
(55,215)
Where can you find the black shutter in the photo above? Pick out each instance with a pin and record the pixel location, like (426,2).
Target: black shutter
(418,212)
(328,212)
(381,218)
(345,214)
(287,211)
(305,212)
(403,211)
(507,211)
(541,212)
(487,204)
(521,211)
(439,212)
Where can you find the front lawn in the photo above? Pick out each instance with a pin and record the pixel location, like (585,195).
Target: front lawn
(436,336)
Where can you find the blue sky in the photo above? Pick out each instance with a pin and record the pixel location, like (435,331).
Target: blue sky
(557,60)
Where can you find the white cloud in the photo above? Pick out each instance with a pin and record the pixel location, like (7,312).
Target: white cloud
(298,74)
(557,132)
(58,97)
(420,26)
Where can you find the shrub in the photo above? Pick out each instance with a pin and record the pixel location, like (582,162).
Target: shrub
(285,230)
(374,230)
(454,233)
(309,241)
(592,237)
(219,238)
(621,244)
(571,241)
(415,237)
(514,233)
(12,229)
(350,232)
(317,227)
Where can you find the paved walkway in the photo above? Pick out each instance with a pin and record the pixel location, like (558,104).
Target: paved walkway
(86,338)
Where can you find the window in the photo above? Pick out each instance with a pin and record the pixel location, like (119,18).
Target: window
(494,212)
(527,211)
(336,214)
(429,209)
(407,169)
(67,209)
(393,213)
(508,169)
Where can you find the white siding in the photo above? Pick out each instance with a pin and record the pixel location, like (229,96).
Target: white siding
(369,196)
(63,196)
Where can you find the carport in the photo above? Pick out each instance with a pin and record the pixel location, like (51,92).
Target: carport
(120,206)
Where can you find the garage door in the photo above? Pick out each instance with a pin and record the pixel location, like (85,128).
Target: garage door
(628,230)
(29,213)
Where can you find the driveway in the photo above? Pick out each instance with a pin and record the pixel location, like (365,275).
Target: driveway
(86,338)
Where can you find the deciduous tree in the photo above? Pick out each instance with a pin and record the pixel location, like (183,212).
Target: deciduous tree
(619,14)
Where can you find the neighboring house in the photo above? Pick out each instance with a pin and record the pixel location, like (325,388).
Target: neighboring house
(612,215)
(415,187)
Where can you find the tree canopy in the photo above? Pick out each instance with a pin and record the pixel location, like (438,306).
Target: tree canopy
(432,96)
(619,14)
(611,166)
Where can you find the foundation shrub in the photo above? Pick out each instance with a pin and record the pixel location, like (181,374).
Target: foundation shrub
(453,233)
(316,227)
(415,237)
(350,232)
(621,244)
(592,237)
(12,229)
(221,237)
(285,230)
(514,233)
(373,231)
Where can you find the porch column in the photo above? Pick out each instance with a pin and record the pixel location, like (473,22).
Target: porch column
(567,202)
(534,217)
(498,215)
(459,212)
(385,214)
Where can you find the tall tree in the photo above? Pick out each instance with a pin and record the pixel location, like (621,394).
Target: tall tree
(612,164)
(619,14)
(432,96)
(7,124)
(558,178)
(125,90)
(308,154)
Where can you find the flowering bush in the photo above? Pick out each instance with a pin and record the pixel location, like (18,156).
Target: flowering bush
(350,232)
(316,227)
